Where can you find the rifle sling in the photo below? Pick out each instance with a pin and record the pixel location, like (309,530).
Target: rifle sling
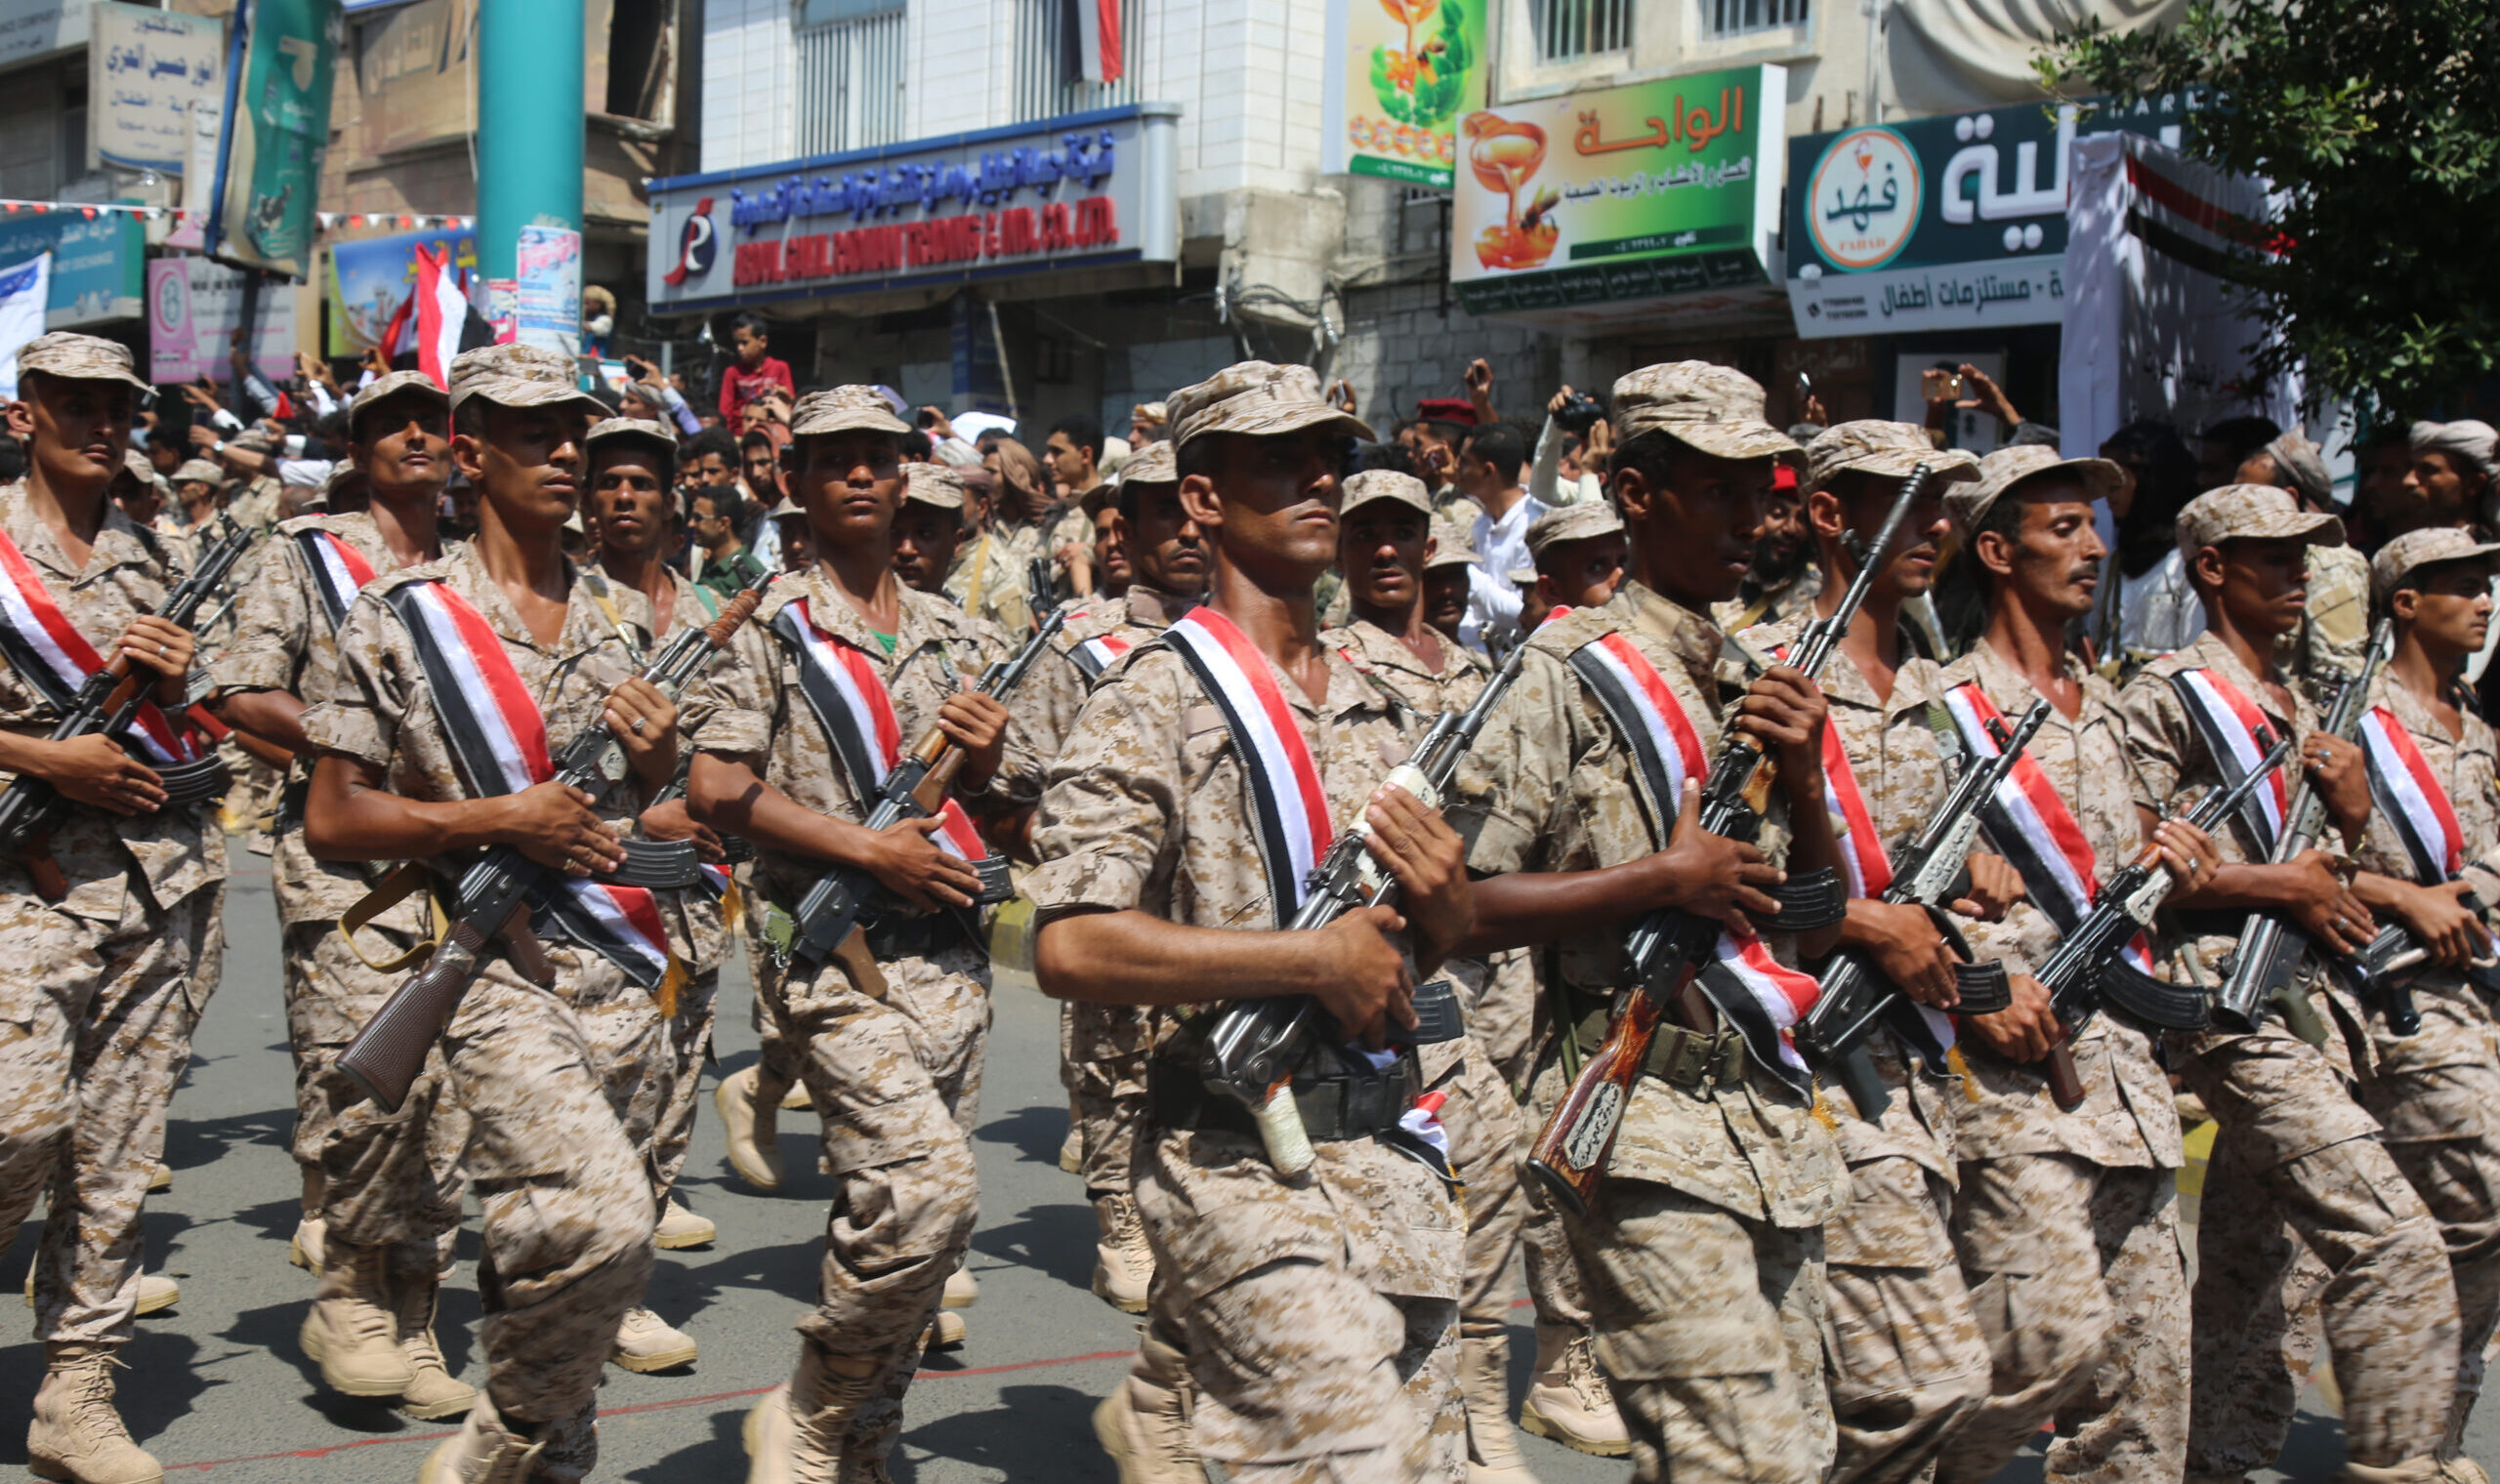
(401,883)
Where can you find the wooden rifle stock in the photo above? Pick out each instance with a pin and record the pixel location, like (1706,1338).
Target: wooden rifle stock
(1573,1151)
(2065,1084)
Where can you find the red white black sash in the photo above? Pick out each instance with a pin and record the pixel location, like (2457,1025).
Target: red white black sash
(498,737)
(1863,859)
(2237,735)
(2029,822)
(2409,792)
(50,654)
(339,571)
(1760,996)
(1288,801)
(1098,654)
(846,688)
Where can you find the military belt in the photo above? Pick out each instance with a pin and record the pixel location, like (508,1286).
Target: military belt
(1336,1106)
(1677,1057)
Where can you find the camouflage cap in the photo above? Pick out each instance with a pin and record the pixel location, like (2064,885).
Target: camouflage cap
(135,464)
(1715,409)
(393,384)
(631,429)
(2253,511)
(79,358)
(1152,464)
(2302,467)
(520,376)
(1260,398)
(1374,484)
(1968,503)
(935,484)
(843,409)
(1886,450)
(205,471)
(1522,577)
(789,506)
(253,440)
(2413,550)
(1581,521)
(1451,548)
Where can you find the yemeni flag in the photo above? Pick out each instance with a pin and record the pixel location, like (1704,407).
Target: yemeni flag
(430,323)
(1098,36)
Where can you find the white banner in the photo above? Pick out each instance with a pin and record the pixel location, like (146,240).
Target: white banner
(147,70)
(24,292)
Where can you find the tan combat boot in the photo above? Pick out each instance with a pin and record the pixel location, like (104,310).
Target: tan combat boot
(2422,1470)
(76,1434)
(794,1435)
(303,1250)
(680,1228)
(432,1392)
(1123,1262)
(747,1127)
(1568,1400)
(351,1330)
(2454,1466)
(1484,1385)
(1144,1424)
(482,1452)
(646,1342)
(962,1291)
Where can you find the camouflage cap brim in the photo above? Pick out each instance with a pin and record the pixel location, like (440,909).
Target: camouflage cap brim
(76,357)
(517,391)
(391,385)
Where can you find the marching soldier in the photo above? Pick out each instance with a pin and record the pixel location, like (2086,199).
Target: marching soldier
(371,1234)
(2066,1222)
(115,921)
(456,684)
(2294,1145)
(1703,1254)
(1315,1316)
(799,736)
(1909,1367)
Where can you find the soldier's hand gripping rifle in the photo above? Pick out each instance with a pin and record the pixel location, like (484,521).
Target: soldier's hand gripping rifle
(1668,949)
(2088,966)
(828,922)
(31,809)
(1934,872)
(493,896)
(2270,946)
(1253,1047)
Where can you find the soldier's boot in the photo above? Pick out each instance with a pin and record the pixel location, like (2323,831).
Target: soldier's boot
(303,1249)
(432,1392)
(748,1120)
(2454,1466)
(1144,1424)
(680,1228)
(794,1435)
(482,1452)
(2422,1470)
(1484,1385)
(353,1331)
(1123,1262)
(160,1177)
(946,1332)
(646,1342)
(1568,1401)
(962,1291)
(76,1434)
(794,1099)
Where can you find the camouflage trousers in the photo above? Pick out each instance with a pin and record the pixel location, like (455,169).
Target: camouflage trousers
(2081,1291)
(96,1023)
(652,1065)
(388,1179)
(2274,1186)
(1103,1056)
(1712,1328)
(1908,1367)
(896,1082)
(1500,995)
(1484,1125)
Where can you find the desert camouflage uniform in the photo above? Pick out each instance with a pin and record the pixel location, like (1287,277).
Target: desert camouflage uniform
(1785,598)
(1018,543)
(2437,1093)
(99,991)
(2335,626)
(2294,1146)
(1101,1048)
(1318,1315)
(567,1213)
(1909,1367)
(1003,594)
(2066,1222)
(894,1078)
(283,641)
(1703,1256)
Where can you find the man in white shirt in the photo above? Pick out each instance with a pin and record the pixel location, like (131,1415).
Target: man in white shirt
(1489,473)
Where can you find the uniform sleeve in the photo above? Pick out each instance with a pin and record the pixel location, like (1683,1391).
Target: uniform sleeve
(270,625)
(1517,776)
(2161,744)
(1043,711)
(1103,833)
(735,700)
(369,697)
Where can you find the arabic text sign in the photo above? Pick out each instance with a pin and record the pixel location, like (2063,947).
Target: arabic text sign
(145,70)
(192,308)
(1400,72)
(1634,192)
(32,28)
(95,263)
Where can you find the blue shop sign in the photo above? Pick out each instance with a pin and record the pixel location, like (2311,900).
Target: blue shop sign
(98,266)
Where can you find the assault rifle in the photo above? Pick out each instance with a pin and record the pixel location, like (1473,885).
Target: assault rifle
(494,894)
(1254,1046)
(826,925)
(1669,948)
(1934,872)
(2269,946)
(2087,967)
(31,809)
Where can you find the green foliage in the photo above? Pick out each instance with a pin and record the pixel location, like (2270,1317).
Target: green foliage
(1435,100)
(2380,122)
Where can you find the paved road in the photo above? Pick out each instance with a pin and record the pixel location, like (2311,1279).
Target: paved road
(217,1383)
